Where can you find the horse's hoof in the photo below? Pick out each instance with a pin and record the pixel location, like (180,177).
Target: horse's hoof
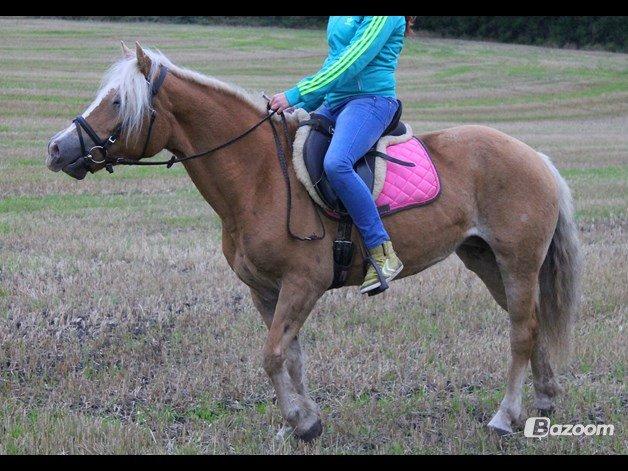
(501,431)
(312,433)
(500,426)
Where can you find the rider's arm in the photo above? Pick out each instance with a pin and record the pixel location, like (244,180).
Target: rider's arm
(369,39)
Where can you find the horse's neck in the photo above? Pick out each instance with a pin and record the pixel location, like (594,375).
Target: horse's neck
(235,180)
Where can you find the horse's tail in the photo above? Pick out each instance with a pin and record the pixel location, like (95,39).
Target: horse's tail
(560,276)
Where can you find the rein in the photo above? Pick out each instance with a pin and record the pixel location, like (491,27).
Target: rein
(175,160)
(102,145)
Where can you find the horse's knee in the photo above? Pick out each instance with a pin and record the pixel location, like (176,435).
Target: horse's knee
(273,361)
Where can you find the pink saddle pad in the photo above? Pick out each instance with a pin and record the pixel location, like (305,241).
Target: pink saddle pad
(408,186)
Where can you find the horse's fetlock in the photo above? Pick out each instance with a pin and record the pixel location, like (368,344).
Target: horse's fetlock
(292,416)
(550,388)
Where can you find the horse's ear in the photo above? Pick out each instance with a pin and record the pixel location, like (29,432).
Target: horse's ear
(126,52)
(143,61)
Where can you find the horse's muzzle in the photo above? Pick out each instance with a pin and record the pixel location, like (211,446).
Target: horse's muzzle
(64,153)
(77,169)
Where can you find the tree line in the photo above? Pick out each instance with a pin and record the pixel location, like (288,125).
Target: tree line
(601,32)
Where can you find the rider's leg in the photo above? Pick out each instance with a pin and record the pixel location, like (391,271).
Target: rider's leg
(358,127)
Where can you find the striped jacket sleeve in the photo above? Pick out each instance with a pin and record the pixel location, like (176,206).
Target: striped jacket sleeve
(368,41)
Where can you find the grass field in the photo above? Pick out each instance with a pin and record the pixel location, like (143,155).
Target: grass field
(122,329)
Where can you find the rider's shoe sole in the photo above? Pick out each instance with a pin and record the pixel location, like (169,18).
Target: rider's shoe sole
(378,284)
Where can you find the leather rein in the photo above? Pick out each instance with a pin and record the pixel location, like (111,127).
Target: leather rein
(102,146)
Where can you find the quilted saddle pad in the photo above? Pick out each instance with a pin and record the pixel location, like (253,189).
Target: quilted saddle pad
(408,186)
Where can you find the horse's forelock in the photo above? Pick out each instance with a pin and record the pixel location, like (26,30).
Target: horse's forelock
(132,89)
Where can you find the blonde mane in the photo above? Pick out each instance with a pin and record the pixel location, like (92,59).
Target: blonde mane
(133,91)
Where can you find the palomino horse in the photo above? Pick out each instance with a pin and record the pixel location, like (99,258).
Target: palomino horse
(504,210)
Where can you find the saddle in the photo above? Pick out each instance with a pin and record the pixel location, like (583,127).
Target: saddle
(316,145)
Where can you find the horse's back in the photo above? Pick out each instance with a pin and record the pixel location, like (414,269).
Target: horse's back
(493,157)
(481,144)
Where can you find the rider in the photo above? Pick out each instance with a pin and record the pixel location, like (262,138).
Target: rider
(355,89)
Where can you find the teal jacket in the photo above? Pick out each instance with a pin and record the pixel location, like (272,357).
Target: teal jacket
(363,56)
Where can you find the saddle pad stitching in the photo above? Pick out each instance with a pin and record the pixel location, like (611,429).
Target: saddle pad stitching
(404,186)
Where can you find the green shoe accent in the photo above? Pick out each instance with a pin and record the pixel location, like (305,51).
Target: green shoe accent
(386,258)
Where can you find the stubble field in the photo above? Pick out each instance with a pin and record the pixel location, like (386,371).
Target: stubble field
(123,330)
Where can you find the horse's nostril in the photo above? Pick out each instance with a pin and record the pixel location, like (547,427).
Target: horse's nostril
(53,150)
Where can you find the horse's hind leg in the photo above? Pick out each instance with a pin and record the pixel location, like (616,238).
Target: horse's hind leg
(521,292)
(546,387)
(478,257)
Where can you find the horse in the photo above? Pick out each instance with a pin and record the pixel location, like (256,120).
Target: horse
(504,210)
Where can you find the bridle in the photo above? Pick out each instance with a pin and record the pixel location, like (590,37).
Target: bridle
(102,146)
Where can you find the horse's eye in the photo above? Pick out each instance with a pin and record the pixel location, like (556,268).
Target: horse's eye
(116,103)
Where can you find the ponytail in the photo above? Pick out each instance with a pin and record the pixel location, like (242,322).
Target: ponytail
(409,24)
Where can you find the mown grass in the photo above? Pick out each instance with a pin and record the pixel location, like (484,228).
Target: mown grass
(587,92)
(123,330)
(64,203)
(618,173)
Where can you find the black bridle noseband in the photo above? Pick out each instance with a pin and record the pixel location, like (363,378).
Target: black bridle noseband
(102,146)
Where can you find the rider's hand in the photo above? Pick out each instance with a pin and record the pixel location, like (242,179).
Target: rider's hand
(279,103)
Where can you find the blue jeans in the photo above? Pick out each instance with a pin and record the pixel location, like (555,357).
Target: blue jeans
(359,123)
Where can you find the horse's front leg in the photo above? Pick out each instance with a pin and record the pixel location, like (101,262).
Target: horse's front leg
(266,302)
(283,361)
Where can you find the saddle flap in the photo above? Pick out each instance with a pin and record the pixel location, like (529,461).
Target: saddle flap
(316,145)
